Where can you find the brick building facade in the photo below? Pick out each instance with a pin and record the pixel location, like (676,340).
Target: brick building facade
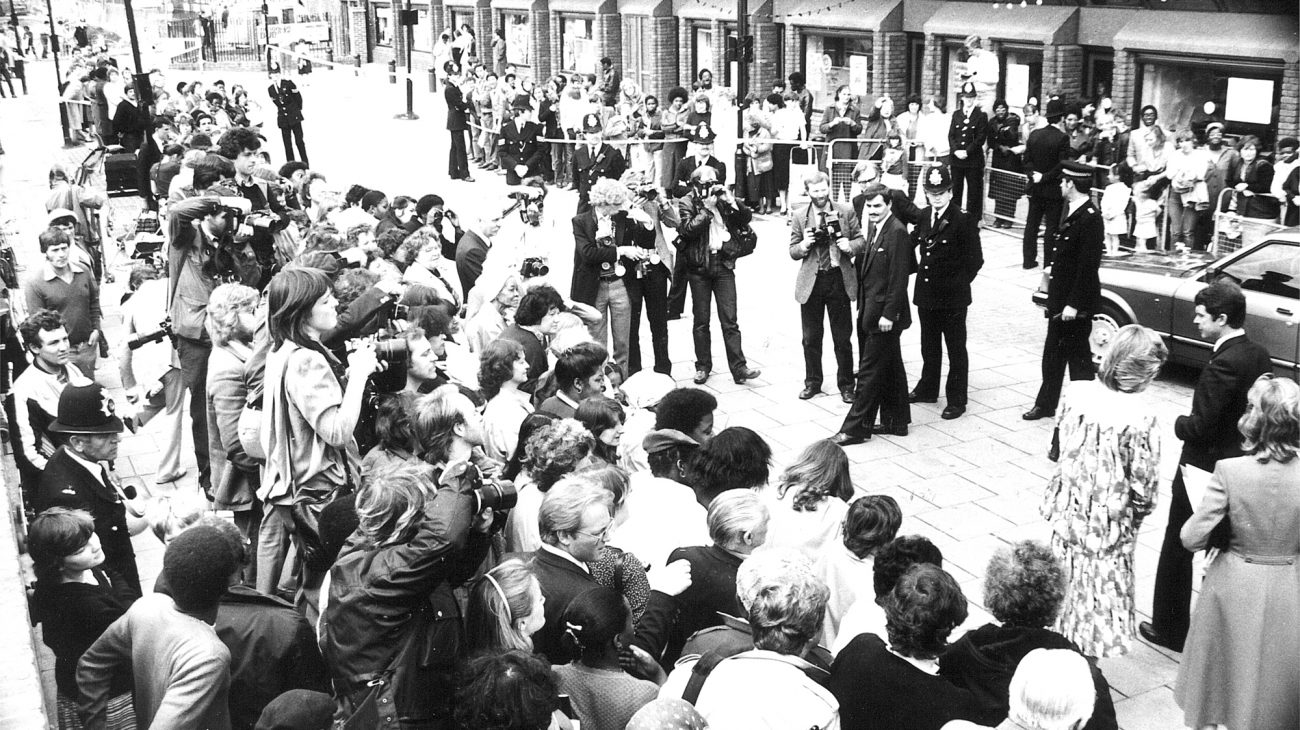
(1078,49)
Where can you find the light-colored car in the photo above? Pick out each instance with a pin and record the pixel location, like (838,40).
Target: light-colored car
(1158,289)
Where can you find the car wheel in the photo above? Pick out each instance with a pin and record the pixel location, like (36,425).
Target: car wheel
(1105,324)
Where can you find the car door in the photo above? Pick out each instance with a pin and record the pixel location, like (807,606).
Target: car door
(1270,276)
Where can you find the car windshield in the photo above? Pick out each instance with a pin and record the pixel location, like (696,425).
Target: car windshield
(1273,268)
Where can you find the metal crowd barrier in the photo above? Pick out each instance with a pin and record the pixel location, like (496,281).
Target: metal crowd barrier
(1233,231)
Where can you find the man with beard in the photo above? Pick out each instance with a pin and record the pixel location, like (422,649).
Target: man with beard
(824,238)
(883,314)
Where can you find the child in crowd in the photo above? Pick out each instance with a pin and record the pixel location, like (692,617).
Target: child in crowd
(1146,209)
(1114,207)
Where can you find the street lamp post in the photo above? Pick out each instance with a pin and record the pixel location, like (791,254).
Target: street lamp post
(58,76)
(742,88)
(409,18)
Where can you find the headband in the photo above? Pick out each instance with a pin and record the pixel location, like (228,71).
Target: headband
(509,614)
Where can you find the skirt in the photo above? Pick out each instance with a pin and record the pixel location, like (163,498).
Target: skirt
(121,713)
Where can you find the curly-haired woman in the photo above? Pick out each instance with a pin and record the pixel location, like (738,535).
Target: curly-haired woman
(502,369)
(551,453)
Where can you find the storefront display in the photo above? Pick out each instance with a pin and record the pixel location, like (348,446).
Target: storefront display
(516,28)
(578,45)
(830,62)
(1244,97)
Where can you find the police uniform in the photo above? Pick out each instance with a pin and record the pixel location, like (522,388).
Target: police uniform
(1045,150)
(968,132)
(588,167)
(519,145)
(947,246)
(1073,282)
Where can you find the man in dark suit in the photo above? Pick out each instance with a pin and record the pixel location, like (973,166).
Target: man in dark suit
(967,134)
(1073,291)
(824,238)
(1208,435)
(288,112)
(593,159)
(883,314)
(457,123)
(1045,150)
(472,248)
(701,156)
(947,243)
(574,520)
(79,475)
(521,153)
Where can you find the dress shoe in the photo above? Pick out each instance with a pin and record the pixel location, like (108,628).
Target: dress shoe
(1150,634)
(701,377)
(846,395)
(1029,265)
(169,478)
(891,430)
(849,439)
(952,412)
(467,178)
(1035,413)
(808,392)
(746,374)
(915,397)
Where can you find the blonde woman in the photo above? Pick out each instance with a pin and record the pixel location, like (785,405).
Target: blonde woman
(809,501)
(506,607)
(1105,484)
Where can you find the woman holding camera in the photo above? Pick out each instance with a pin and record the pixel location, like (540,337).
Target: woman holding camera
(711,240)
(311,407)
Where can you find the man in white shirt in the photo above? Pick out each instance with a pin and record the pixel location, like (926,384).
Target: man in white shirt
(37,390)
(663,513)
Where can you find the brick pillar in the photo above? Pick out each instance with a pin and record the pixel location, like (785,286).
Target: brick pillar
(764,72)
(358,20)
(339,32)
(1063,70)
(1288,118)
(792,61)
(608,31)
(718,64)
(539,36)
(483,24)
(930,74)
(889,66)
(437,19)
(1123,86)
(664,53)
(685,71)
(556,24)
(399,33)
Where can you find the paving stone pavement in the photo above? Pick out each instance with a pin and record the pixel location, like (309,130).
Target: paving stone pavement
(972,484)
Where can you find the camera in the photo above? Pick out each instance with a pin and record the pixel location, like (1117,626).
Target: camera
(394,359)
(499,495)
(534,266)
(826,234)
(718,191)
(164,331)
(648,192)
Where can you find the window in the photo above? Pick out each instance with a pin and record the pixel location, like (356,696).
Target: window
(1022,76)
(578,45)
(383,25)
(422,32)
(516,28)
(830,62)
(640,45)
(1245,97)
(915,62)
(1272,269)
(702,53)
(1100,69)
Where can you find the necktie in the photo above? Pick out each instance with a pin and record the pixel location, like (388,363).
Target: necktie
(454,299)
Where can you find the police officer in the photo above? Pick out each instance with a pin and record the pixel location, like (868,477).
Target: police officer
(966,136)
(593,159)
(1073,290)
(521,154)
(946,242)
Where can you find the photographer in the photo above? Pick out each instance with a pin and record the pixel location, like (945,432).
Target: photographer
(241,145)
(611,240)
(710,241)
(311,406)
(200,255)
(152,383)
(652,275)
(430,210)
(824,238)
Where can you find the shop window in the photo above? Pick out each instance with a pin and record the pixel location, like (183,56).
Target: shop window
(578,46)
(1100,69)
(383,25)
(639,42)
(702,52)
(516,28)
(830,62)
(422,32)
(915,62)
(1022,76)
(1245,98)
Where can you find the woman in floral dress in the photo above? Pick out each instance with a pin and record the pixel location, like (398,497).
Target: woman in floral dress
(1105,484)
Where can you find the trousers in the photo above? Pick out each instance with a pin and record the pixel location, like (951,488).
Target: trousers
(828,300)
(615,307)
(1040,209)
(881,385)
(651,296)
(1066,346)
(940,327)
(457,159)
(290,135)
(972,176)
(705,288)
(193,356)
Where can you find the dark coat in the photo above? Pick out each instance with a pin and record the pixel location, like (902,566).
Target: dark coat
(272,650)
(66,483)
(1258,176)
(949,257)
(693,236)
(1210,432)
(131,125)
(288,103)
(1079,244)
(1005,133)
(534,354)
(457,108)
(608,162)
(382,598)
(734,635)
(519,146)
(880,691)
(899,204)
(1045,150)
(968,133)
(687,166)
(592,259)
(561,582)
(984,660)
(471,252)
(883,269)
(73,615)
(712,590)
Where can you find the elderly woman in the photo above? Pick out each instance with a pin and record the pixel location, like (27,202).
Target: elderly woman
(737,527)
(810,499)
(762,177)
(429,268)
(236,476)
(551,453)
(1105,484)
(391,603)
(1023,589)
(1188,195)
(895,685)
(1239,666)
(491,305)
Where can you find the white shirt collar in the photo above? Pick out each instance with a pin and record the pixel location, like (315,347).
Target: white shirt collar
(1076,205)
(94,467)
(556,551)
(566,399)
(1218,344)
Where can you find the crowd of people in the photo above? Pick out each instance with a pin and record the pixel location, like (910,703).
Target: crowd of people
(459,500)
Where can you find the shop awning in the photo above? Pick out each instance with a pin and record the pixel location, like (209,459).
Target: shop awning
(881,16)
(650,8)
(584,6)
(1033,24)
(705,9)
(1212,34)
(519,5)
